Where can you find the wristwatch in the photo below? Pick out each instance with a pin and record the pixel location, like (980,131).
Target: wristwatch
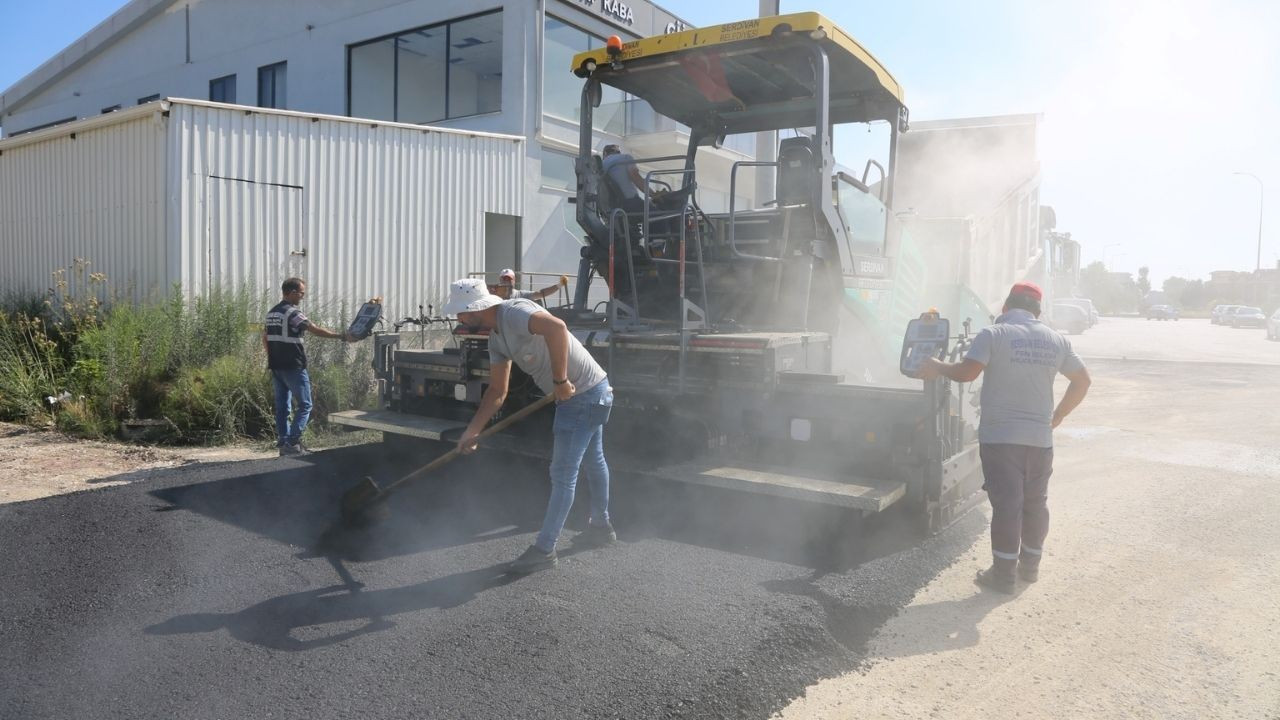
(559,382)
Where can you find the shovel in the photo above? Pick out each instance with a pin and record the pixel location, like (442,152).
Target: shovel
(359,501)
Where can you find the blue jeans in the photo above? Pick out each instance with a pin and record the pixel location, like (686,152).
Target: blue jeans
(295,383)
(579,440)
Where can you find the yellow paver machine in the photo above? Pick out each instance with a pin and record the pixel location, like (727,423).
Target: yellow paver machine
(738,300)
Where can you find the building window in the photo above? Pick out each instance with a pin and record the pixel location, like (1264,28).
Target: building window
(223,89)
(271,86)
(45,126)
(149,98)
(557,170)
(440,72)
(110,109)
(562,90)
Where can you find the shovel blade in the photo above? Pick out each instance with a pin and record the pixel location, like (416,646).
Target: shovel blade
(356,501)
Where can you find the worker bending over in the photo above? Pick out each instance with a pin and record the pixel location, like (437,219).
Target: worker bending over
(522,332)
(1021,357)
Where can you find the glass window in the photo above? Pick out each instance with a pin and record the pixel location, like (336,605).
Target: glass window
(864,218)
(562,90)
(223,89)
(443,71)
(475,65)
(271,86)
(421,61)
(557,170)
(371,71)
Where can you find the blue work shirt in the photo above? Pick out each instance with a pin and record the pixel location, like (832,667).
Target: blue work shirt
(1022,357)
(618,168)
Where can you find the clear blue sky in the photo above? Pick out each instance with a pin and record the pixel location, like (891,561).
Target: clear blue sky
(1149,105)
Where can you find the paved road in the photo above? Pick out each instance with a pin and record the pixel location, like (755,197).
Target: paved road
(1176,341)
(196,594)
(1158,593)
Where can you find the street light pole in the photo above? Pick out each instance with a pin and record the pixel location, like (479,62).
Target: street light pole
(1106,252)
(1261,192)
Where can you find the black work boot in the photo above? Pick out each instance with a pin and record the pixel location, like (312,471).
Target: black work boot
(1029,571)
(532,561)
(998,577)
(596,536)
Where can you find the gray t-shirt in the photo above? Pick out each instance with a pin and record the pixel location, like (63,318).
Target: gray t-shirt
(618,168)
(523,294)
(1022,357)
(511,340)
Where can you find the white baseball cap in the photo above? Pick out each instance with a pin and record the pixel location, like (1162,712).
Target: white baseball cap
(469,295)
(507,273)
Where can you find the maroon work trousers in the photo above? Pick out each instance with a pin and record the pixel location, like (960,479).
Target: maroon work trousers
(1017,483)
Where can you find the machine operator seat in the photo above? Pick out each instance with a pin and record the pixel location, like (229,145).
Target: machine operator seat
(796,165)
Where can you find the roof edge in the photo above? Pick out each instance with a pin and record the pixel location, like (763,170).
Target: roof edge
(977,122)
(128,114)
(85,48)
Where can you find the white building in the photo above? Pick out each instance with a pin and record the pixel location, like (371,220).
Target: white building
(500,67)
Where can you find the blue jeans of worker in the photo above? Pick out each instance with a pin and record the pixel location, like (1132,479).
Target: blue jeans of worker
(295,384)
(579,441)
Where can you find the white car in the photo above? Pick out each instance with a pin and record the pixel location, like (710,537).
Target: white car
(1068,318)
(1273,326)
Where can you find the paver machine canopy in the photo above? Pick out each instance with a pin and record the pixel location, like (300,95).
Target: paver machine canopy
(794,72)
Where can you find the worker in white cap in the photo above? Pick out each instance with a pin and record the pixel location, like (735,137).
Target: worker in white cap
(523,332)
(506,287)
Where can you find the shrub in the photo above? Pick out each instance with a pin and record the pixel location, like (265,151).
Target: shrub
(199,364)
(31,369)
(228,398)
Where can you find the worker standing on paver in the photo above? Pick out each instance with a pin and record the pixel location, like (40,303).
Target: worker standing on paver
(522,332)
(287,360)
(507,290)
(1021,357)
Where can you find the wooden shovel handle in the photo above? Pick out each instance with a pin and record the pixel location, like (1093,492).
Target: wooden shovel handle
(453,454)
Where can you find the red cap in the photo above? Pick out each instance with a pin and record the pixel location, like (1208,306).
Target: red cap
(1027,289)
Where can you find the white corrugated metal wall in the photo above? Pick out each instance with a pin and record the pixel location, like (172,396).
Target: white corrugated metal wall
(356,208)
(219,195)
(94,192)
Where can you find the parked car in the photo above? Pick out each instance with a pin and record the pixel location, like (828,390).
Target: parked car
(1273,326)
(1219,314)
(1162,312)
(1068,318)
(1245,316)
(1084,304)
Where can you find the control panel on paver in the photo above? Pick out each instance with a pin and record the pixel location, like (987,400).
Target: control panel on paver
(926,336)
(368,316)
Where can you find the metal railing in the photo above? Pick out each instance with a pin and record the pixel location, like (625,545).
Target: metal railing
(733,225)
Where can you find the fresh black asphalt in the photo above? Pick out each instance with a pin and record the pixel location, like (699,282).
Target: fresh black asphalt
(200,593)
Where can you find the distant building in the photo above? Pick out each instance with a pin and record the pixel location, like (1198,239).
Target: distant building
(1260,288)
(968,190)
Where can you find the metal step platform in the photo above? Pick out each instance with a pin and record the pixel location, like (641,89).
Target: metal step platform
(858,493)
(398,423)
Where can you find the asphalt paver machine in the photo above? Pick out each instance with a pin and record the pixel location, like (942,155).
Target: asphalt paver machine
(719,330)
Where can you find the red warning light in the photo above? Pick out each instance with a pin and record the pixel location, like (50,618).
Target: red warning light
(614,44)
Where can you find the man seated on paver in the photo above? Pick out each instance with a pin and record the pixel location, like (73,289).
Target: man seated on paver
(522,332)
(1021,356)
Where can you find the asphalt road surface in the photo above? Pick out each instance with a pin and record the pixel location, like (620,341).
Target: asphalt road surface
(198,593)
